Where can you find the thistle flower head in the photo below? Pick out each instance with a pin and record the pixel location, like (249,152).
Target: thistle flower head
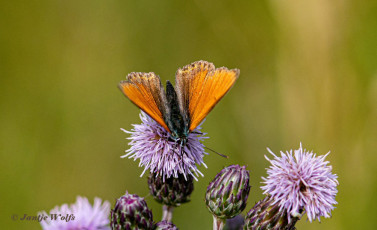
(172,191)
(236,223)
(131,212)
(227,194)
(158,152)
(165,225)
(266,214)
(301,180)
(80,215)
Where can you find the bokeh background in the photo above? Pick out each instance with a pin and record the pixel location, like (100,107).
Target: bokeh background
(308,74)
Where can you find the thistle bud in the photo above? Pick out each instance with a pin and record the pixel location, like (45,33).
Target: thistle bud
(267,215)
(171,191)
(236,223)
(131,212)
(227,194)
(165,225)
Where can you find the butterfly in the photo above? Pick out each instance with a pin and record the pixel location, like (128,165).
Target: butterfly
(198,88)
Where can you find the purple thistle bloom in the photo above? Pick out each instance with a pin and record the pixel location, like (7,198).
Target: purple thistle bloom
(301,180)
(131,212)
(80,215)
(165,225)
(160,154)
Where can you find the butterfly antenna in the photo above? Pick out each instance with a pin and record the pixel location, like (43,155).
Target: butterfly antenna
(222,155)
(195,132)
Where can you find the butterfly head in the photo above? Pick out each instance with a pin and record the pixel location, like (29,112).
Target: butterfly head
(180,139)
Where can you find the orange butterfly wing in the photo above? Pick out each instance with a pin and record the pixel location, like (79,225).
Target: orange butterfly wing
(146,92)
(200,87)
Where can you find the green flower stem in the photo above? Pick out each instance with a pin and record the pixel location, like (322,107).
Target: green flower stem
(167,213)
(218,224)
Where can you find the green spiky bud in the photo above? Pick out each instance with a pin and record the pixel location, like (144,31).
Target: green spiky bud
(265,215)
(131,212)
(171,191)
(165,225)
(227,194)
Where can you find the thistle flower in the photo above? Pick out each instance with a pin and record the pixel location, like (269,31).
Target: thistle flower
(227,194)
(172,191)
(80,215)
(152,144)
(165,225)
(236,223)
(131,212)
(266,214)
(301,180)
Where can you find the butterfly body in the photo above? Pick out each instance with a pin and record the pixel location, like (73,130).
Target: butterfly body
(198,88)
(176,122)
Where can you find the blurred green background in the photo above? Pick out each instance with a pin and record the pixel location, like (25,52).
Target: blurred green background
(308,74)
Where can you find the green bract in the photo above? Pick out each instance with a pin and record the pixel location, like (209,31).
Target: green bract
(265,215)
(172,191)
(131,212)
(227,194)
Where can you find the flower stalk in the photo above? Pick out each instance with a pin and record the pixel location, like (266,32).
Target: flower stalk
(218,223)
(167,213)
